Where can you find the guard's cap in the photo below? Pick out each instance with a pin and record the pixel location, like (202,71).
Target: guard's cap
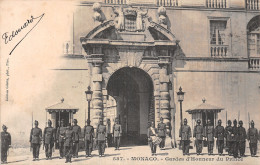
(88,121)
(75,121)
(235,121)
(219,121)
(198,121)
(185,119)
(240,122)
(4,127)
(252,122)
(49,121)
(229,121)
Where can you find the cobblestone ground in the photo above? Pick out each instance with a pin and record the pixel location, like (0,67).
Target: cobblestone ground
(133,155)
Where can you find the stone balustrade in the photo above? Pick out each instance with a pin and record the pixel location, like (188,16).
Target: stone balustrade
(254,63)
(216,3)
(217,51)
(167,2)
(252,4)
(115,1)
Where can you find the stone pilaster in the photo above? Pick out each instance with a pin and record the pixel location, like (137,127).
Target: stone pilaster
(97,100)
(165,111)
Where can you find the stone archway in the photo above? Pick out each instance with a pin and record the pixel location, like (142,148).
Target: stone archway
(133,90)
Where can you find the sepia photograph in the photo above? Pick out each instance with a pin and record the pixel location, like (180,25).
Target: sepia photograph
(130,82)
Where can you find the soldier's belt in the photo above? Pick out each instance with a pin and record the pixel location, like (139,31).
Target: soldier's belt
(35,135)
(101,132)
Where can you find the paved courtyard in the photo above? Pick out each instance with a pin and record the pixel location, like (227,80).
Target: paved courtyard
(132,155)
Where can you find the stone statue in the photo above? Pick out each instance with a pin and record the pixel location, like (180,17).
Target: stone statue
(139,19)
(120,18)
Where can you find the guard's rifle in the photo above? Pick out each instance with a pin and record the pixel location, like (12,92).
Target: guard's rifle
(248,126)
(31,134)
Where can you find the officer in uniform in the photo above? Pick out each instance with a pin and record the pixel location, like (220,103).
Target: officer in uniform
(152,134)
(219,134)
(209,135)
(89,136)
(61,138)
(77,131)
(228,131)
(101,136)
(185,134)
(5,144)
(252,136)
(117,133)
(49,139)
(234,136)
(35,140)
(241,138)
(161,133)
(198,134)
(68,143)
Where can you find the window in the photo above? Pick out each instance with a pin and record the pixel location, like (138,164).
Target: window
(218,32)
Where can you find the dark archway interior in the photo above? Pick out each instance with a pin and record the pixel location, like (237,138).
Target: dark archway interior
(133,90)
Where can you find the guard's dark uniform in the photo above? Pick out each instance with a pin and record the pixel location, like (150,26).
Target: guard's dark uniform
(77,130)
(241,140)
(219,134)
(198,134)
(162,133)
(61,139)
(48,140)
(252,135)
(68,143)
(185,134)
(101,135)
(117,132)
(234,136)
(35,140)
(89,135)
(150,134)
(5,143)
(209,134)
(228,131)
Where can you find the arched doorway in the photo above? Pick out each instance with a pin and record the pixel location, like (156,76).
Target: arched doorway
(133,90)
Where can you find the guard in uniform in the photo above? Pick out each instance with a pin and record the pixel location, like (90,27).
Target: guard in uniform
(77,131)
(35,140)
(89,136)
(185,134)
(101,136)
(152,133)
(228,131)
(49,139)
(5,144)
(209,135)
(68,143)
(219,134)
(61,138)
(198,134)
(252,136)
(241,138)
(234,136)
(162,133)
(117,133)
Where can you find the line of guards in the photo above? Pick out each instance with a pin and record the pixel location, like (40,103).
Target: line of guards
(235,137)
(68,139)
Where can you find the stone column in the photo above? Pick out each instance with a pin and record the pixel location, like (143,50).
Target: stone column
(165,111)
(97,100)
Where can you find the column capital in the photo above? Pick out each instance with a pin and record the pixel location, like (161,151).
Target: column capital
(96,59)
(164,61)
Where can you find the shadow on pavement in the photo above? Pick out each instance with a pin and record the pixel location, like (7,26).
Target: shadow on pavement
(166,153)
(125,149)
(18,161)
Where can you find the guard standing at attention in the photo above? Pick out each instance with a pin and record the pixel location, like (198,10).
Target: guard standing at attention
(234,136)
(220,134)
(61,138)
(185,134)
(89,136)
(77,131)
(68,143)
(117,133)
(228,131)
(198,134)
(35,140)
(241,139)
(101,136)
(49,139)
(162,133)
(252,135)
(5,144)
(209,135)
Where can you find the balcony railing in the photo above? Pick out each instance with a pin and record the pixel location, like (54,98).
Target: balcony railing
(216,3)
(219,51)
(252,4)
(254,63)
(115,1)
(168,2)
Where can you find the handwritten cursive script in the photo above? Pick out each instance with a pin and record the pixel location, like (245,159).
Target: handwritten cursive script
(8,38)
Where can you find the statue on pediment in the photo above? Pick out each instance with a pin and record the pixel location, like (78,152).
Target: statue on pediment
(120,18)
(139,19)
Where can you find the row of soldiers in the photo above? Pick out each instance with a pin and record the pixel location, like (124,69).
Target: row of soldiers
(68,139)
(235,137)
